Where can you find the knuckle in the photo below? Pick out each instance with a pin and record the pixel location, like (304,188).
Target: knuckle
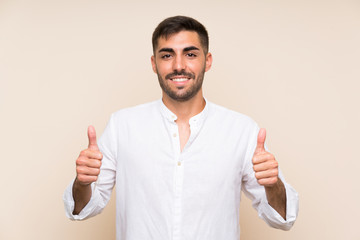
(79,170)
(260,181)
(273,180)
(271,165)
(275,164)
(81,178)
(98,164)
(83,153)
(80,161)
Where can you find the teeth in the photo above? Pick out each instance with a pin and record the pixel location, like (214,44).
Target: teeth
(180,79)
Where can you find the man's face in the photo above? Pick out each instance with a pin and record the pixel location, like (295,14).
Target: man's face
(180,64)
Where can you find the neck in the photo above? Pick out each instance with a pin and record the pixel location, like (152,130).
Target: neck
(185,110)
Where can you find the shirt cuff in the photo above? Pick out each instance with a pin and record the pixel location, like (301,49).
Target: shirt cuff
(69,204)
(273,218)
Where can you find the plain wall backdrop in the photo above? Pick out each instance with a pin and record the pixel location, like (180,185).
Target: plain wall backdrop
(293,66)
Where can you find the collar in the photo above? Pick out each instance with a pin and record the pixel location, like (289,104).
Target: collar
(194,121)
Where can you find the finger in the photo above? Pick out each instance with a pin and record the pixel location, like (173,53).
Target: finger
(260,147)
(89,162)
(92,138)
(268,182)
(262,157)
(89,153)
(86,179)
(93,163)
(265,166)
(266,174)
(83,170)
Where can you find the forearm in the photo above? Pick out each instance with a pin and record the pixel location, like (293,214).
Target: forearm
(276,196)
(81,194)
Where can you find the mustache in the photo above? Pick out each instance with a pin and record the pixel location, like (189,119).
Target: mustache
(182,73)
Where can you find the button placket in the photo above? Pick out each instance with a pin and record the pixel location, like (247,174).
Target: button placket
(178,183)
(178,191)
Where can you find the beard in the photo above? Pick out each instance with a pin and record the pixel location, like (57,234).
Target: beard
(182,96)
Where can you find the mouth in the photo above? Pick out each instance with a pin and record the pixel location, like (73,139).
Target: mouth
(180,79)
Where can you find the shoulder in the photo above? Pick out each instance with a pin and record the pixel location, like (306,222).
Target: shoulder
(231,128)
(136,112)
(228,116)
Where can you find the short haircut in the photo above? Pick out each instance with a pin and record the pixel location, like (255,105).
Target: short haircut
(176,24)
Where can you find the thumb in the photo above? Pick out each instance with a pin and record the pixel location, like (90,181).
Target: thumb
(92,138)
(261,141)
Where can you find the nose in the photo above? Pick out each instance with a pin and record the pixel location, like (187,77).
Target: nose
(179,63)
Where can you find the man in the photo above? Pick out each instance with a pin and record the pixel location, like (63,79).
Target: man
(180,163)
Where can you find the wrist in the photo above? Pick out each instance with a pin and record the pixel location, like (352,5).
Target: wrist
(274,186)
(80,185)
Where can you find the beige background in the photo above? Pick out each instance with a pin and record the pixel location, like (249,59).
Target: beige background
(293,66)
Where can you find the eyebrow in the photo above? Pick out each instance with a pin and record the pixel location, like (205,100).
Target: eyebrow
(166,50)
(191,48)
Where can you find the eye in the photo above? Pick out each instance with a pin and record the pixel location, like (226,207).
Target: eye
(192,55)
(165,56)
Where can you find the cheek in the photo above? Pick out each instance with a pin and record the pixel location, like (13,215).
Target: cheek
(164,69)
(197,66)
(159,71)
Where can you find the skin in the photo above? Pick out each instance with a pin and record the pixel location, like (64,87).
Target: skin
(181,53)
(180,56)
(266,172)
(87,170)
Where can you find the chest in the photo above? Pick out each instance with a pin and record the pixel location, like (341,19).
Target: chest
(200,156)
(184,134)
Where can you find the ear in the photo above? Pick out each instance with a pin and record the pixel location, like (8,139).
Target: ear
(153,64)
(208,62)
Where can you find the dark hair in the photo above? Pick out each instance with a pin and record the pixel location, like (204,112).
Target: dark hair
(177,24)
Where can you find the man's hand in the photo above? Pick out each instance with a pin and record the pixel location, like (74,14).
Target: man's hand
(264,163)
(89,161)
(87,170)
(266,173)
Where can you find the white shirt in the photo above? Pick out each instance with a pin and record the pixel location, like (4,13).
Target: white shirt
(165,194)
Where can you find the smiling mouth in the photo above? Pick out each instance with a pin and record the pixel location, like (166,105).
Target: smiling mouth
(182,79)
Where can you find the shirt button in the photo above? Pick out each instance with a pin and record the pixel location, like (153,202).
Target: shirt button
(174,135)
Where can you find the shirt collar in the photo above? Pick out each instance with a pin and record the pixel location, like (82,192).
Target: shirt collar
(195,120)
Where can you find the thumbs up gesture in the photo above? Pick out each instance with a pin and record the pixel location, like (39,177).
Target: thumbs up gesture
(264,163)
(89,161)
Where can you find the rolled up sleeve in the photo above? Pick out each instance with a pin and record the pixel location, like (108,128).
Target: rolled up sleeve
(102,188)
(273,218)
(257,194)
(92,208)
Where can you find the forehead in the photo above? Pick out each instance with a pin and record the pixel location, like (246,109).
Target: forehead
(180,40)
